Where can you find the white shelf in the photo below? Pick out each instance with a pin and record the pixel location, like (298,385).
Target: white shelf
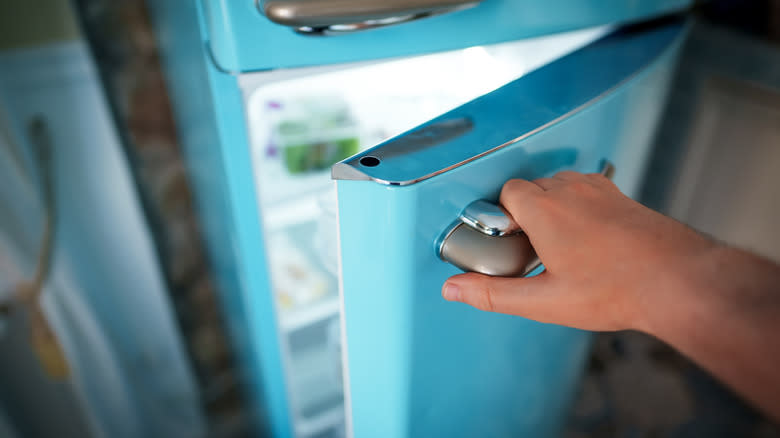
(298,318)
(277,186)
(331,418)
(295,211)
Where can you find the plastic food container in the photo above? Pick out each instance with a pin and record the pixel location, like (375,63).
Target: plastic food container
(315,133)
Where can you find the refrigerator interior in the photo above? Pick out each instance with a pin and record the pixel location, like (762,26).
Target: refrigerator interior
(301,121)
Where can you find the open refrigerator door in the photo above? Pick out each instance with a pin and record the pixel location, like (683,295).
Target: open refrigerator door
(301,122)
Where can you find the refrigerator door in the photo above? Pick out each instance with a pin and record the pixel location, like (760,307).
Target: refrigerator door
(250,35)
(416,365)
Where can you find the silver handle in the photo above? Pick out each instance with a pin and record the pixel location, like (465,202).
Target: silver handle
(41,143)
(488,218)
(487,240)
(333,17)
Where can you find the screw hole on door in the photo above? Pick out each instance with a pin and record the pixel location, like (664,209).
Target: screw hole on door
(369,161)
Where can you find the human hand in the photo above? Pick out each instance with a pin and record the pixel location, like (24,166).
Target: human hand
(614,264)
(607,257)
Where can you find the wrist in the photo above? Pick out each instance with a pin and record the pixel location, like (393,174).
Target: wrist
(685,291)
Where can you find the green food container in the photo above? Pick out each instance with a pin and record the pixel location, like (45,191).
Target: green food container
(314,134)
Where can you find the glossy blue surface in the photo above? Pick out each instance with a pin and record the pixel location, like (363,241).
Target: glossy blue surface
(518,108)
(242,39)
(420,366)
(211,125)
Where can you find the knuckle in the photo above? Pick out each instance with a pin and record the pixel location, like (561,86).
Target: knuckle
(581,187)
(546,204)
(484,299)
(512,186)
(568,174)
(514,189)
(603,181)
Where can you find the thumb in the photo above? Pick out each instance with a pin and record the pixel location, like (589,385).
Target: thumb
(495,294)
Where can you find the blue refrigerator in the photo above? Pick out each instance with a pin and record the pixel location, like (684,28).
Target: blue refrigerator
(415,109)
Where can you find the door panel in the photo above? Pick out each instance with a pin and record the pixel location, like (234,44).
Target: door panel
(419,366)
(241,38)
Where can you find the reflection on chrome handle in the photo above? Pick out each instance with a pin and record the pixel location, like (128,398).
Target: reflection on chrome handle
(489,218)
(487,240)
(333,17)
(474,251)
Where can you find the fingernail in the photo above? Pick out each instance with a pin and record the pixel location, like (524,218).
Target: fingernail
(451,292)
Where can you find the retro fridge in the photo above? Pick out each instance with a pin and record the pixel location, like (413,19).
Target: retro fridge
(416,109)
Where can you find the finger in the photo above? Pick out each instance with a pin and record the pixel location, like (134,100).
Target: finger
(601,179)
(595,178)
(519,188)
(568,175)
(546,183)
(516,296)
(515,197)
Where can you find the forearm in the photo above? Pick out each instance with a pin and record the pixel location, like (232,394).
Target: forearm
(725,315)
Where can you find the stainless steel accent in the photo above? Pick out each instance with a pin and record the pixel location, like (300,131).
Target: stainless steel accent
(607,169)
(487,240)
(489,218)
(40,137)
(44,342)
(333,17)
(418,139)
(475,251)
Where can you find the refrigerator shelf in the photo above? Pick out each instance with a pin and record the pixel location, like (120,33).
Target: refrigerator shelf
(301,251)
(295,319)
(316,384)
(331,421)
(294,211)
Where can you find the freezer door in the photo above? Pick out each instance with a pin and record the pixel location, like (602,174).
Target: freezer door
(416,365)
(251,35)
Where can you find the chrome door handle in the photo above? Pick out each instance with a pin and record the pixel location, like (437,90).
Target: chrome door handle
(487,240)
(333,17)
